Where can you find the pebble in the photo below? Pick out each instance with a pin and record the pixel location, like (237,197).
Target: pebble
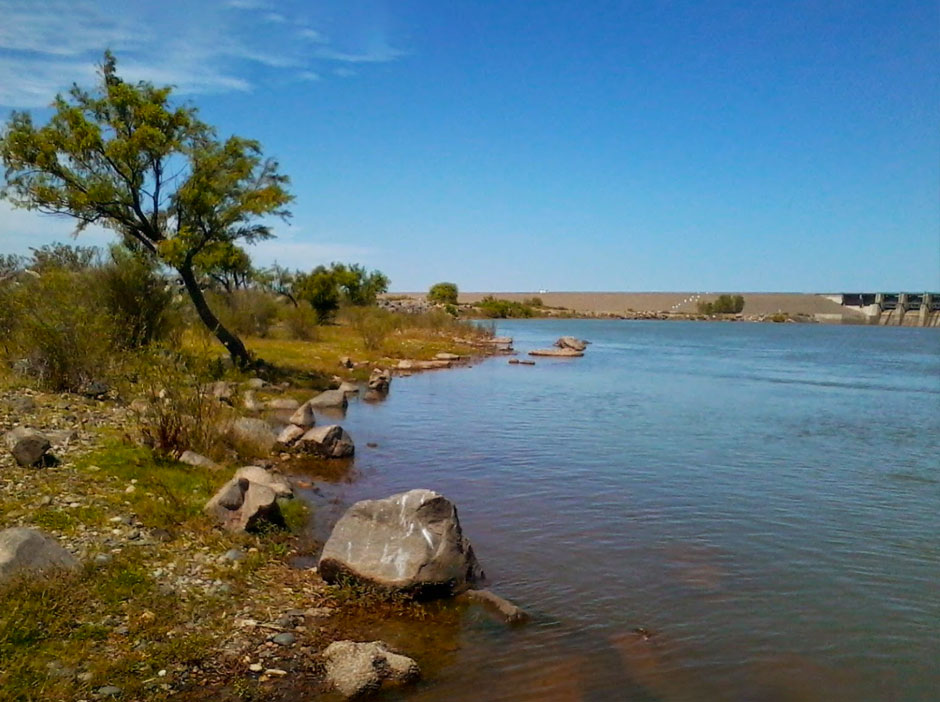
(161,673)
(256,667)
(45,501)
(285,639)
(233,554)
(108,691)
(129,489)
(103,558)
(275,671)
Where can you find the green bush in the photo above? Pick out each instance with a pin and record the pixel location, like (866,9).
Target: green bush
(443,293)
(533,302)
(139,299)
(495,308)
(300,322)
(57,329)
(725,304)
(374,325)
(247,312)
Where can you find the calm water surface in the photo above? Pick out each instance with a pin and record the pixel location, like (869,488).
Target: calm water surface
(764,499)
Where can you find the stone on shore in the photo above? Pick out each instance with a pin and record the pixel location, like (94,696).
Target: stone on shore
(329,399)
(272,479)
(25,550)
(570,342)
(331,441)
(222,391)
(243,505)
(349,388)
(290,434)
(410,542)
(443,356)
(191,458)
(380,380)
(28,446)
(354,669)
(557,353)
(282,403)
(250,403)
(256,433)
(303,417)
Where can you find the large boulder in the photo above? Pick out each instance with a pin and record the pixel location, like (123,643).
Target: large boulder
(25,550)
(330,399)
(244,505)
(354,668)
(331,441)
(380,380)
(28,446)
(411,542)
(253,433)
(570,342)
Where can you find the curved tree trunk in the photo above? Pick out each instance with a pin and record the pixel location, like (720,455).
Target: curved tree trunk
(232,343)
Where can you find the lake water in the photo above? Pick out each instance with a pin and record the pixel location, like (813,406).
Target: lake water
(764,500)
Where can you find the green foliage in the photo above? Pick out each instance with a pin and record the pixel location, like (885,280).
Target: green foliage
(495,308)
(56,329)
(226,264)
(444,293)
(320,289)
(300,322)
(248,312)
(358,286)
(280,281)
(725,304)
(533,302)
(122,156)
(373,325)
(138,299)
(60,256)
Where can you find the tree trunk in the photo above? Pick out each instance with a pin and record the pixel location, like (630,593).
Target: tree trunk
(232,343)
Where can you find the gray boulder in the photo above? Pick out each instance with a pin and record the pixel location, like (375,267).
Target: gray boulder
(570,342)
(557,353)
(290,434)
(271,478)
(331,441)
(380,380)
(222,391)
(330,399)
(25,550)
(303,417)
(28,446)
(282,403)
(349,388)
(243,505)
(256,433)
(411,542)
(355,669)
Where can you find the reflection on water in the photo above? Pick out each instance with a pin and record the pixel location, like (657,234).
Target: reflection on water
(689,512)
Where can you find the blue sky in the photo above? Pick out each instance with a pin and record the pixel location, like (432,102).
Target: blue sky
(778,146)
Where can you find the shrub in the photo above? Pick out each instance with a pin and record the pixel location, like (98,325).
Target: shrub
(533,302)
(725,304)
(57,329)
(374,325)
(300,322)
(138,298)
(247,312)
(443,293)
(321,290)
(176,410)
(495,308)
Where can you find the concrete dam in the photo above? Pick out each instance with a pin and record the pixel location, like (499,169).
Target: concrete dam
(900,309)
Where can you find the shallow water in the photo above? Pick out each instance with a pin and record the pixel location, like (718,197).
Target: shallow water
(763,499)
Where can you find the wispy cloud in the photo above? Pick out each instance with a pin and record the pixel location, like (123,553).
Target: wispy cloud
(212,47)
(288,251)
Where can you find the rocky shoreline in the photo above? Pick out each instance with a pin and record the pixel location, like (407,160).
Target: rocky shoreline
(261,624)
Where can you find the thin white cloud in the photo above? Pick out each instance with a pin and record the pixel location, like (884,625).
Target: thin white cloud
(212,47)
(21,230)
(305,255)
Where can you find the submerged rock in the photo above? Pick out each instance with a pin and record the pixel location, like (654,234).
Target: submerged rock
(331,441)
(410,542)
(25,550)
(506,609)
(354,668)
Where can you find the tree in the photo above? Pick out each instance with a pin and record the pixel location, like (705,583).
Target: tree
(280,281)
(226,263)
(445,293)
(359,287)
(122,156)
(321,289)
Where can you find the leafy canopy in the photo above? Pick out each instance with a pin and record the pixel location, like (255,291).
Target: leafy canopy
(123,157)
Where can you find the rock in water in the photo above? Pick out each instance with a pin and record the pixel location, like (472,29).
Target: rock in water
(411,542)
(303,417)
(354,668)
(290,434)
(329,398)
(380,380)
(25,550)
(270,478)
(243,505)
(28,446)
(331,441)
(558,353)
(570,342)
(349,388)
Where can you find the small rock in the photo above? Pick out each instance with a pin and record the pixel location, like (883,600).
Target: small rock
(191,458)
(103,558)
(285,639)
(282,403)
(108,691)
(303,417)
(95,389)
(329,399)
(330,441)
(354,668)
(255,383)
(256,667)
(380,380)
(29,447)
(233,554)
